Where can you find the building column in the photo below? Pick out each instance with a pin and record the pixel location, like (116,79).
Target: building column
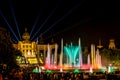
(44,54)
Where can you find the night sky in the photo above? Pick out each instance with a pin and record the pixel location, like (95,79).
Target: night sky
(90,20)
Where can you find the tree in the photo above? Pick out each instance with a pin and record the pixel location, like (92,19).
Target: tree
(105,55)
(19,57)
(110,56)
(115,57)
(7,51)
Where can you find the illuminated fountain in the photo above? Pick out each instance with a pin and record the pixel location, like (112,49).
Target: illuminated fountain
(98,58)
(71,57)
(88,59)
(80,53)
(61,55)
(91,70)
(47,62)
(95,57)
(51,58)
(74,58)
(92,55)
(55,56)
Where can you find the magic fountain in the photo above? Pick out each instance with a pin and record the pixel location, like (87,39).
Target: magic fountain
(71,57)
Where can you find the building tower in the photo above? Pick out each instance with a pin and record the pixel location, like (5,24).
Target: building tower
(112,44)
(99,46)
(26,36)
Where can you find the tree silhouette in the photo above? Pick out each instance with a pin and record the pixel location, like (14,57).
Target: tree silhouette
(115,57)
(7,51)
(111,56)
(105,55)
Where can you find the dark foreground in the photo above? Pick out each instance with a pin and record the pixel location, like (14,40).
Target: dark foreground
(17,74)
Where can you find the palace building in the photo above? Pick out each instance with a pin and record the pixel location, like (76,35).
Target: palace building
(36,52)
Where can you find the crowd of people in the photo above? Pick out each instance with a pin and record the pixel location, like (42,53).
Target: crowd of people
(28,74)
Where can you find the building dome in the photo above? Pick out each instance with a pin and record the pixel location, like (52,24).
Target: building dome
(26,35)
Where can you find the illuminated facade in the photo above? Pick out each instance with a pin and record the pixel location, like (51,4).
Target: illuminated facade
(33,52)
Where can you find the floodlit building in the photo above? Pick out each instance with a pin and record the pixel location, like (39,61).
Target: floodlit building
(34,52)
